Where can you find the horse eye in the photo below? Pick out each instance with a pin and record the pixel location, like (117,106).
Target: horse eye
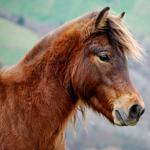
(104,57)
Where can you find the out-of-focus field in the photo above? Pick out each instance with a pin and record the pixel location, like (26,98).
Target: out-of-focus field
(15,41)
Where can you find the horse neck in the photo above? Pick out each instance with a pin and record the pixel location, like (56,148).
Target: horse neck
(46,73)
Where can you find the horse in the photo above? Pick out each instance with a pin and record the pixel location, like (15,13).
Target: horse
(81,63)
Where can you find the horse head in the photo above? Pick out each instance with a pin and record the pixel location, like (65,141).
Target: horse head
(100,76)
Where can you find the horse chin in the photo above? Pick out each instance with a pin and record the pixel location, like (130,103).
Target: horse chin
(122,119)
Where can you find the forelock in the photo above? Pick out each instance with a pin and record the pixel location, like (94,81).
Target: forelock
(120,38)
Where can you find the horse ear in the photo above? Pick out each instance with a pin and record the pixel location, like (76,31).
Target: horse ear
(122,16)
(101,18)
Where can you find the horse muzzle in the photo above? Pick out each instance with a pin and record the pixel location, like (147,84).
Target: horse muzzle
(130,118)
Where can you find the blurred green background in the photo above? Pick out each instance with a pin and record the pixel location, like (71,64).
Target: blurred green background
(23,22)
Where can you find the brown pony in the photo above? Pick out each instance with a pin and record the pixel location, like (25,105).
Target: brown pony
(83,61)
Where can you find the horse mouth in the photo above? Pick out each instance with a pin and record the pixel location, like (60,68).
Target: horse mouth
(123,119)
(119,117)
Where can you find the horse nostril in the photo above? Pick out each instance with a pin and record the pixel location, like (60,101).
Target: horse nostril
(136,111)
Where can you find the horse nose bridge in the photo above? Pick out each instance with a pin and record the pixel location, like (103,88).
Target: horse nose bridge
(135,96)
(131,90)
(124,85)
(126,89)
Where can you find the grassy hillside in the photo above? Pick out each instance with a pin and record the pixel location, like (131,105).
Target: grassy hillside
(15,41)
